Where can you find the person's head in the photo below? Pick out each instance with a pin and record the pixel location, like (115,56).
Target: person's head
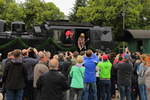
(61,56)
(55,56)
(75,54)
(42,56)
(82,35)
(143,57)
(105,57)
(10,55)
(89,53)
(53,64)
(79,59)
(67,34)
(147,61)
(68,58)
(17,53)
(31,53)
(25,52)
(82,53)
(47,54)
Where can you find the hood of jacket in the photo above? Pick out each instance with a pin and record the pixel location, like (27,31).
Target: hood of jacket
(17,61)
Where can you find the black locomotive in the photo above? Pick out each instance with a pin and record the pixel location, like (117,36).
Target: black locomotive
(99,37)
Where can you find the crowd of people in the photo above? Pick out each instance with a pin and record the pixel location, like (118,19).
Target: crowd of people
(29,74)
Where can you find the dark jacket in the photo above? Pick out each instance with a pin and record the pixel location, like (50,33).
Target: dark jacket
(1,70)
(52,85)
(14,74)
(29,65)
(124,73)
(65,67)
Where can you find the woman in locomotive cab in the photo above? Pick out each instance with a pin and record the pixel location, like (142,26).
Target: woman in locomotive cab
(81,42)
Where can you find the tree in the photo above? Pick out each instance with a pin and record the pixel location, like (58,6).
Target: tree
(11,12)
(2,7)
(78,3)
(9,1)
(109,13)
(37,12)
(32,12)
(145,15)
(51,12)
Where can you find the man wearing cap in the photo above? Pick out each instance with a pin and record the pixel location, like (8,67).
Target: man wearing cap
(69,37)
(105,75)
(124,74)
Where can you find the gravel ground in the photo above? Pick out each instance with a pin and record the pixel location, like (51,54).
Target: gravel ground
(117,96)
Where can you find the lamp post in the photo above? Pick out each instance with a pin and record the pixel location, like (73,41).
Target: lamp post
(124,13)
(123,23)
(123,20)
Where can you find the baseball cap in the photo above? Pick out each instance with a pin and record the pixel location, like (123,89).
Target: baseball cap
(105,57)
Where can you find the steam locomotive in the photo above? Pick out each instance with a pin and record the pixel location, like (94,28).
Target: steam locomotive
(99,37)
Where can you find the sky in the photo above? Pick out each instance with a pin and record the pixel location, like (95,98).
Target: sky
(64,5)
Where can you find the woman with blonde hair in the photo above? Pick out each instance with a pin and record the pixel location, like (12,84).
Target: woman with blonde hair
(81,42)
(77,76)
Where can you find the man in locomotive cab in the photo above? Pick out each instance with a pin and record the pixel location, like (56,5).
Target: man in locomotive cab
(69,36)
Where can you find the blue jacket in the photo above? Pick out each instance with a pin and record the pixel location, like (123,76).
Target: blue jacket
(90,69)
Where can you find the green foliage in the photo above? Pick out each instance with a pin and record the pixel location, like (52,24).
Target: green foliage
(48,44)
(109,13)
(50,41)
(32,12)
(13,44)
(145,15)
(11,12)
(78,3)
(37,12)
(2,7)
(9,1)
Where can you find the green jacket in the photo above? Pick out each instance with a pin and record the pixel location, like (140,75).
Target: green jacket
(77,74)
(105,69)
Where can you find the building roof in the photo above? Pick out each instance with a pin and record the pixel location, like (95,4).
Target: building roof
(140,34)
(67,23)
